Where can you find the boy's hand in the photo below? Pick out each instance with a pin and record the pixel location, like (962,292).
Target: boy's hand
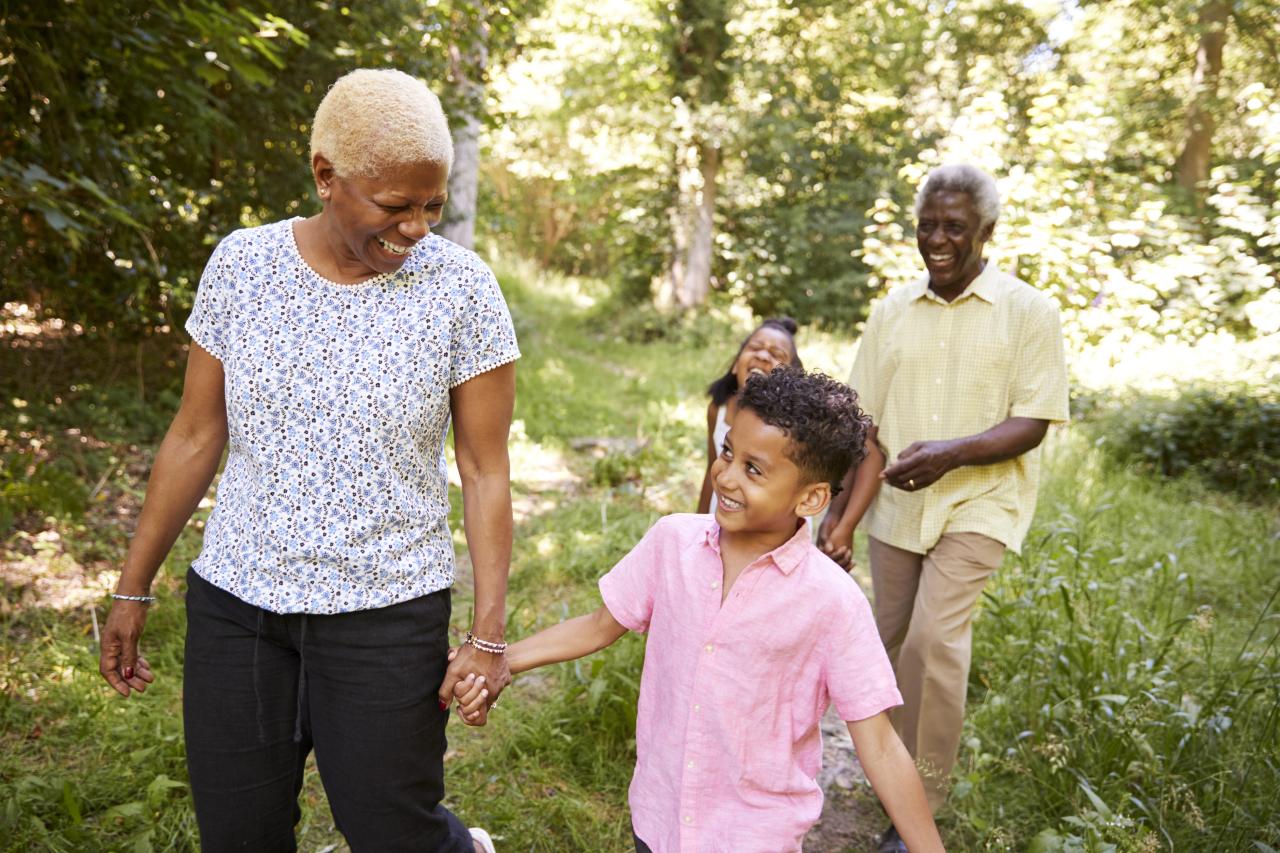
(473,700)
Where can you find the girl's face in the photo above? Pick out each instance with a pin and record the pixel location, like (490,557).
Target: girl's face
(766,349)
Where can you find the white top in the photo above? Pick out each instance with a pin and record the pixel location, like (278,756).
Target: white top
(335,495)
(717,436)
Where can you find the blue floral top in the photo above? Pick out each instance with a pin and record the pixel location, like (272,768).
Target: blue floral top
(335,495)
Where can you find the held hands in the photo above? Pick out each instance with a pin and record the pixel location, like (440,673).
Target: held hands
(921,465)
(836,542)
(118,659)
(474,679)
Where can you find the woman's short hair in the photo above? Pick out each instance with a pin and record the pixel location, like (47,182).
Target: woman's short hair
(963,178)
(372,119)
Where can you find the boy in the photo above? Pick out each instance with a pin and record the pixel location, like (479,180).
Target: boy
(752,633)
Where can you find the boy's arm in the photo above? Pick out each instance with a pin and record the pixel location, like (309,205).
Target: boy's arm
(860,486)
(570,640)
(896,781)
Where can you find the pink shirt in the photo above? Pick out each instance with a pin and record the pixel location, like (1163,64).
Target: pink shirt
(727,742)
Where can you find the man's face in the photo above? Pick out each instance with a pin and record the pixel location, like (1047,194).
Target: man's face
(951,239)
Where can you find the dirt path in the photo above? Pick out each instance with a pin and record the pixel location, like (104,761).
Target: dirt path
(851,819)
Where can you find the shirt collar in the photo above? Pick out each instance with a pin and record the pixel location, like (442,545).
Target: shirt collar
(787,556)
(984,287)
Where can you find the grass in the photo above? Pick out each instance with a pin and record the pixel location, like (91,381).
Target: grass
(1125,685)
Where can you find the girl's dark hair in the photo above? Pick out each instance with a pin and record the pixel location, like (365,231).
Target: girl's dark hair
(727,385)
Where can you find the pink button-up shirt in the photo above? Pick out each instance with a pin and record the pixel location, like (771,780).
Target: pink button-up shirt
(727,741)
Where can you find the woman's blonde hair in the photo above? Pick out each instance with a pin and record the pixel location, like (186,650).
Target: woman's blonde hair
(374,119)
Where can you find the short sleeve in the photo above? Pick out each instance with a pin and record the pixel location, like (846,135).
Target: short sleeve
(865,377)
(1040,374)
(859,678)
(630,587)
(210,315)
(483,335)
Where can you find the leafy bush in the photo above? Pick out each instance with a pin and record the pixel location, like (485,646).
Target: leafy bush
(1229,437)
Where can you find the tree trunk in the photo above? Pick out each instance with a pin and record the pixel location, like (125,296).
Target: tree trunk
(464,179)
(697,269)
(1192,165)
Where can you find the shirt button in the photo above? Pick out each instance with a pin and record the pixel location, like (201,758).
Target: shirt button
(942,344)
(697,708)
(690,765)
(715,585)
(935,417)
(688,818)
(710,648)
(937,382)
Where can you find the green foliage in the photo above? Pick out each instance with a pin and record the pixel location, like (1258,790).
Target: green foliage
(1125,681)
(136,135)
(1231,438)
(833,113)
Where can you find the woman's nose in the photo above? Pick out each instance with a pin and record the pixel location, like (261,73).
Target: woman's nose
(415,227)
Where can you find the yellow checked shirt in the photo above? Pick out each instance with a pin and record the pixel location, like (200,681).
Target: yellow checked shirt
(928,370)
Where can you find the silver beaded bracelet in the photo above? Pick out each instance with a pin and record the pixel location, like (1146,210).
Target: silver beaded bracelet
(145,599)
(485,645)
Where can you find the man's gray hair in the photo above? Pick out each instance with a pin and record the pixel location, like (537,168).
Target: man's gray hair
(963,178)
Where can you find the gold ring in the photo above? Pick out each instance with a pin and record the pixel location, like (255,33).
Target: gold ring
(911,483)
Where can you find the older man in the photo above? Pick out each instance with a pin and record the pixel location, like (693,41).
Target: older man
(962,372)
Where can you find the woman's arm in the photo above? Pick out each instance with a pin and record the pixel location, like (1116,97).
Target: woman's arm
(861,484)
(896,781)
(184,466)
(482,409)
(704,498)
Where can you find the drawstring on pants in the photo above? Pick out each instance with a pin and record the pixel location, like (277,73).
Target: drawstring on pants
(302,680)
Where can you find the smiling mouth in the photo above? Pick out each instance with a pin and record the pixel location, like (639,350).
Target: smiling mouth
(393,248)
(940,259)
(730,504)
(756,371)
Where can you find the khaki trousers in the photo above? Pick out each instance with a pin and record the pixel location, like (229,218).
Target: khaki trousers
(924,612)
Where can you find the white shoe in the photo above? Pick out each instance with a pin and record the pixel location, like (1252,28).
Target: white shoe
(482,838)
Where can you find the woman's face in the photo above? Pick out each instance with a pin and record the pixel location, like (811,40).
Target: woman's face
(378,220)
(766,349)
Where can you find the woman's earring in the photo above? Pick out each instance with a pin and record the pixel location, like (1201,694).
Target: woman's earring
(324,192)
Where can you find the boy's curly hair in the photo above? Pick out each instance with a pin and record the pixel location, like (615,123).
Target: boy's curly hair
(820,416)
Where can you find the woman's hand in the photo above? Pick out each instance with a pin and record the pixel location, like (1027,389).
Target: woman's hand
(119,661)
(467,666)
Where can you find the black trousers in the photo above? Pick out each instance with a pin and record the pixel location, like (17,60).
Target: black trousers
(262,689)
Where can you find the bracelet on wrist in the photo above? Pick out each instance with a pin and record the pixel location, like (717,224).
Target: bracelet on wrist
(484,645)
(142,599)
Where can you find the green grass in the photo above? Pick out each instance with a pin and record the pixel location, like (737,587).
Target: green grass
(1125,683)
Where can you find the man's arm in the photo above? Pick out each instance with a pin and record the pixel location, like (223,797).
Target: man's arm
(923,463)
(896,781)
(860,486)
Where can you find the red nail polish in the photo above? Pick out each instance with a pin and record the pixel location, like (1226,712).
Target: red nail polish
(444,706)
(128,672)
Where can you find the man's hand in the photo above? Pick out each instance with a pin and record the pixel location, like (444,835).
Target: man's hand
(921,465)
(470,661)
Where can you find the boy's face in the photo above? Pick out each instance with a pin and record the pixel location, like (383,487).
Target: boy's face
(758,488)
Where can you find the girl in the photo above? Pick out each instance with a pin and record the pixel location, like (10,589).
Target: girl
(773,343)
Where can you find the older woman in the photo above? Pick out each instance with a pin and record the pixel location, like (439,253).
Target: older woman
(330,353)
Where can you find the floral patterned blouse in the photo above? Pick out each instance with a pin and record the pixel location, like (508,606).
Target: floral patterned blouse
(335,495)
